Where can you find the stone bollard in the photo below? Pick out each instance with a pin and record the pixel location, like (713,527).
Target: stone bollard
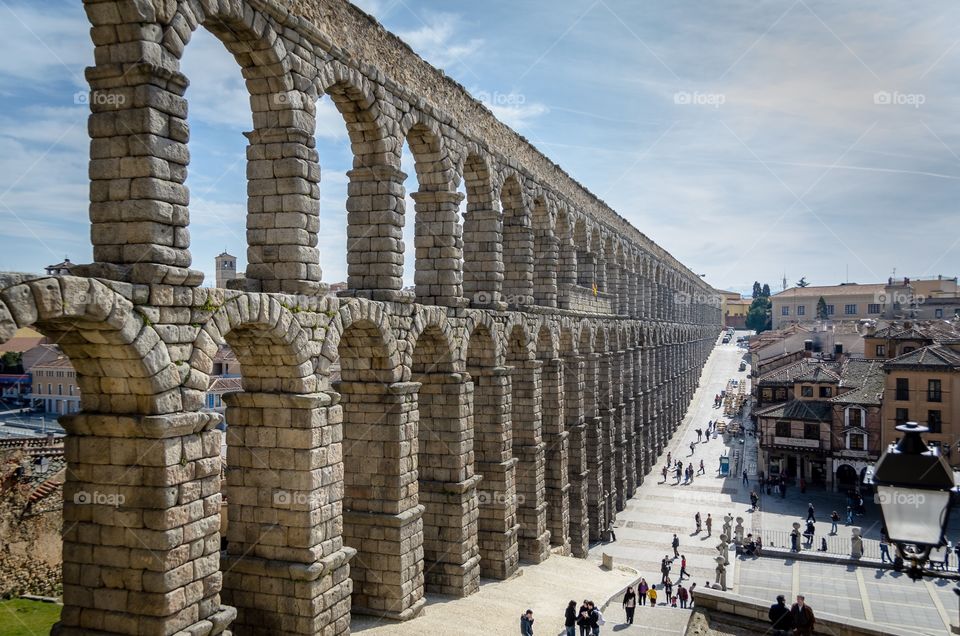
(721,571)
(738,532)
(607,561)
(856,544)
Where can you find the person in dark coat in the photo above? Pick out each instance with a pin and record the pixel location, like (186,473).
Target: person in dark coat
(780,618)
(583,618)
(570,618)
(526,623)
(630,604)
(802,617)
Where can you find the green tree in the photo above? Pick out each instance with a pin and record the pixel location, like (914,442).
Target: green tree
(765,292)
(757,291)
(822,309)
(759,317)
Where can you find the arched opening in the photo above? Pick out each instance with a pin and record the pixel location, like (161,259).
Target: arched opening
(382,519)
(437,232)
(528,447)
(482,236)
(567,263)
(574,411)
(847,478)
(493,449)
(517,245)
(600,260)
(447,485)
(546,255)
(586,260)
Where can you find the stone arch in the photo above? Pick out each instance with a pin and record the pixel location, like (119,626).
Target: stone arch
(482,234)
(600,263)
(518,260)
(122,364)
(438,234)
(370,334)
(552,410)
(434,319)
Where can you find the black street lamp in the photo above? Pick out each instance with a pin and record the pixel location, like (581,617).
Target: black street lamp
(913,485)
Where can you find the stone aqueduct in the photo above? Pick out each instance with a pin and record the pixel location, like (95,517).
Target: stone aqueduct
(505,410)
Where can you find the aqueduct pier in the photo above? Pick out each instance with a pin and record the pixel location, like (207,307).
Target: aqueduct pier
(504,410)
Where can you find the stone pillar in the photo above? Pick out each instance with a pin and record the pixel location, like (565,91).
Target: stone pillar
(286,568)
(641,447)
(517,259)
(483,256)
(608,416)
(141,525)
(493,446)
(529,449)
(138,165)
(555,437)
(586,268)
(447,484)
(596,509)
(547,260)
(573,402)
(439,244)
(283,184)
(375,218)
(629,427)
(618,482)
(382,519)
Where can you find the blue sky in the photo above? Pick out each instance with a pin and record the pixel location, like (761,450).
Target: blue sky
(748,138)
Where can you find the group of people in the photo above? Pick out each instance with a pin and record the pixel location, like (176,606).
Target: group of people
(588,618)
(798,619)
(699,522)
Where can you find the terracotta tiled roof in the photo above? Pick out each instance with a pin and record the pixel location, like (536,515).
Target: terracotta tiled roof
(807,410)
(936,355)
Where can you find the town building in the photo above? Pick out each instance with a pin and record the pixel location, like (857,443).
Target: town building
(60,269)
(226,269)
(902,298)
(734,309)
(821,421)
(55,388)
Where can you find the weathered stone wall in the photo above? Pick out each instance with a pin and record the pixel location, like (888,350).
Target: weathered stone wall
(509,407)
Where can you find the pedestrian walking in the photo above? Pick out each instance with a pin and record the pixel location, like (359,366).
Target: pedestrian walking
(692,447)
(693,586)
(652,595)
(682,595)
(679,472)
(570,618)
(696,519)
(664,473)
(709,524)
(676,546)
(669,458)
(780,618)
(884,549)
(810,515)
(668,587)
(699,434)
(849,515)
(583,618)
(630,604)
(703,469)
(754,499)
(664,568)
(683,567)
(809,532)
(642,589)
(802,617)
(746,480)
(795,540)
(834,520)
(596,619)
(611,534)
(526,623)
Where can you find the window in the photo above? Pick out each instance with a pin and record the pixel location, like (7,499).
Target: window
(811,431)
(825,391)
(908,349)
(783,429)
(873,308)
(881,351)
(933,391)
(830,310)
(938,313)
(902,415)
(781,394)
(806,391)
(903,389)
(59,389)
(70,389)
(854,417)
(850,310)
(49,389)
(935,421)
(801,310)
(856,441)
(784,311)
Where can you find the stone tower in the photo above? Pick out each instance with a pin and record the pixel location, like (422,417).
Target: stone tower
(226,268)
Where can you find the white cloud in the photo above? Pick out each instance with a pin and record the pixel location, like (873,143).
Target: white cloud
(439,40)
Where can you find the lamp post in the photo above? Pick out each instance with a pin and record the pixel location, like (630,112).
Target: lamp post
(913,484)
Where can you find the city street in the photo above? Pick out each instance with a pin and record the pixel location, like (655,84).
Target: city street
(658,510)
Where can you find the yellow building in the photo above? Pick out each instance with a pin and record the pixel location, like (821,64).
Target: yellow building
(923,385)
(734,309)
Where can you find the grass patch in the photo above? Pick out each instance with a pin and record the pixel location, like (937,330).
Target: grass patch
(19,617)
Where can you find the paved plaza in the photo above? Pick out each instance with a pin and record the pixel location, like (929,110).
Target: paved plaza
(646,527)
